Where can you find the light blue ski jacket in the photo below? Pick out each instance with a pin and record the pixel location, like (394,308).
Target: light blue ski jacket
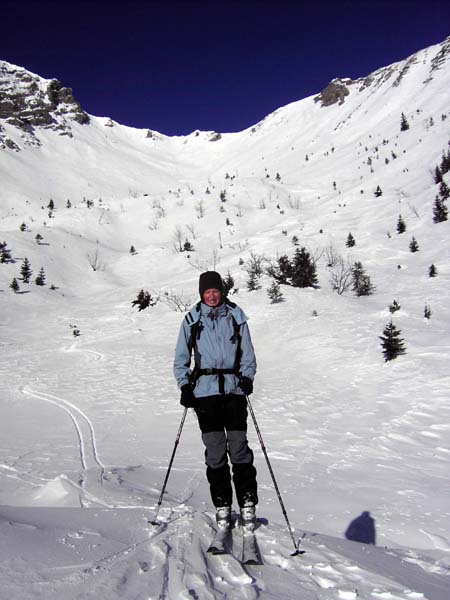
(215,347)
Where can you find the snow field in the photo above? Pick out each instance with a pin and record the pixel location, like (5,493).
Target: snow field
(88,423)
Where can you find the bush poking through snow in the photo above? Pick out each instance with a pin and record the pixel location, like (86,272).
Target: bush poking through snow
(394,307)
(341,276)
(95,261)
(178,302)
(144,300)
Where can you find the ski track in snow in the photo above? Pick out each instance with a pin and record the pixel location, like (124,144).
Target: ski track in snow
(85,430)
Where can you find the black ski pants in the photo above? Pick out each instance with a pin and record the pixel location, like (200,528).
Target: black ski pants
(223,423)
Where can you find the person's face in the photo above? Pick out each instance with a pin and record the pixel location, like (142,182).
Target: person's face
(212,297)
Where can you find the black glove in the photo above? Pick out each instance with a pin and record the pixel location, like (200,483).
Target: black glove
(246,385)
(188,399)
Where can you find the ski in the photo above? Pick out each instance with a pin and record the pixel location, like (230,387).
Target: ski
(250,551)
(219,544)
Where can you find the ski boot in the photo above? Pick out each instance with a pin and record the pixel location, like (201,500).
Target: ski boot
(223,517)
(248,517)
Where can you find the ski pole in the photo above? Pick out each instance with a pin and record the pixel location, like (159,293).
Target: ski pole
(263,448)
(155,522)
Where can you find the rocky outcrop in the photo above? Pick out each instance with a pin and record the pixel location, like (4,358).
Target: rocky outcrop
(338,89)
(335,92)
(441,57)
(215,136)
(29,102)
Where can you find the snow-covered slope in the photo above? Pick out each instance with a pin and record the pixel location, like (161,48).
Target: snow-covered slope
(87,423)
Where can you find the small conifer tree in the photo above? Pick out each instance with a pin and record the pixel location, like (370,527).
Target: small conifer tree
(432,271)
(284,270)
(445,163)
(440,211)
(350,241)
(391,342)
(253,282)
(361,283)
(14,285)
(444,191)
(228,284)
(404,125)
(401,225)
(5,253)
(437,175)
(40,279)
(275,294)
(25,270)
(413,245)
(303,269)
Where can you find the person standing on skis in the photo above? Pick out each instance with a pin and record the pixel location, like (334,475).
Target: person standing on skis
(216,332)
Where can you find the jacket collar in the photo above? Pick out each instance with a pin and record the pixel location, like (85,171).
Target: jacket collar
(213,312)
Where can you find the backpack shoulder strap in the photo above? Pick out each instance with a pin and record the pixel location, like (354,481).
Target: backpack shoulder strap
(193,320)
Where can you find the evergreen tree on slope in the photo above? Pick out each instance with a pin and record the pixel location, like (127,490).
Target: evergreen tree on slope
(391,342)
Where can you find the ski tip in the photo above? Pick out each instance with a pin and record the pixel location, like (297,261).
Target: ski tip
(216,551)
(155,523)
(252,561)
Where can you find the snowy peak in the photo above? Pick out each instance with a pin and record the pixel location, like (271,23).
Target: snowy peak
(338,124)
(430,60)
(28,101)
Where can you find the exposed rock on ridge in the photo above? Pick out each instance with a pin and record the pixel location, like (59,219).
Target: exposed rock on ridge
(334,92)
(28,101)
(338,89)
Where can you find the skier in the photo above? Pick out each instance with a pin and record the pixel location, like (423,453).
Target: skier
(216,331)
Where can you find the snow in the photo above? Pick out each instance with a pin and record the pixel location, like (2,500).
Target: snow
(88,423)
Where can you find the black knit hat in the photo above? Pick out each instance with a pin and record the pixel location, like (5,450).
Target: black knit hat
(210,280)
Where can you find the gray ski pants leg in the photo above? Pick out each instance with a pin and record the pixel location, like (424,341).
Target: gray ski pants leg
(218,446)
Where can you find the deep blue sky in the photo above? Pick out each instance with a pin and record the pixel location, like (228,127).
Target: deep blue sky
(220,65)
